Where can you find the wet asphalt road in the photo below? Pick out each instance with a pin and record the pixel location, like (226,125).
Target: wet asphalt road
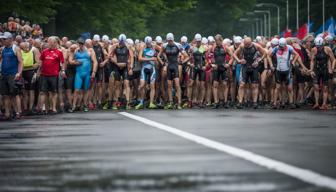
(105,151)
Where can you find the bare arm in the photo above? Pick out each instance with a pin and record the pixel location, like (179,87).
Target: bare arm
(331,64)
(19,57)
(37,54)
(266,59)
(312,58)
(131,59)
(269,58)
(72,60)
(236,53)
(296,56)
(261,51)
(229,51)
(161,54)
(112,55)
(301,64)
(94,62)
(106,58)
(158,48)
(185,56)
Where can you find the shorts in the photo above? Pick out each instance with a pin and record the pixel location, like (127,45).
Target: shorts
(82,81)
(197,72)
(172,72)
(148,75)
(134,76)
(300,78)
(321,76)
(208,75)
(120,73)
(107,72)
(49,84)
(27,77)
(261,67)
(249,75)
(283,77)
(220,74)
(69,81)
(8,86)
(60,82)
(100,75)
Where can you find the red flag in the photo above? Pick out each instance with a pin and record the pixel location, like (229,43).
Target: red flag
(302,32)
(288,33)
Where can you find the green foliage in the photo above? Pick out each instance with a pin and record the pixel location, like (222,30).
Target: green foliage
(113,17)
(34,10)
(138,18)
(208,17)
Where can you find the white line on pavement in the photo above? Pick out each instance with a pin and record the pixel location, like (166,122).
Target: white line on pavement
(296,172)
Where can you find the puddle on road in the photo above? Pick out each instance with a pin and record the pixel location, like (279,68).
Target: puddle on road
(167,182)
(316,127)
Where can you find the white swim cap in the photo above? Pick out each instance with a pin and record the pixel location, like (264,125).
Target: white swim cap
(198,37)
(158,39)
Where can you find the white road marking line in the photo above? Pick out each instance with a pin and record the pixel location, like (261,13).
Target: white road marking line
(305,175)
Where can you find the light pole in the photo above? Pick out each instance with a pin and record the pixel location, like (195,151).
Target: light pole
(257,26)
(323,13)
(265,23)
(308,10)
(297,14)
(272,5)
(287,14)
(261,27)
(269,19)
(248,20)
(254,32)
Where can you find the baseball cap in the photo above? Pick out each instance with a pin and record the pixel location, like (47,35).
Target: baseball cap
(6,35)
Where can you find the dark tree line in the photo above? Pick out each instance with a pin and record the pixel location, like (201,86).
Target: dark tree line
(138,18)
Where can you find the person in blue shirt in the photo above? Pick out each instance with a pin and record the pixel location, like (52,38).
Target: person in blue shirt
(11,72)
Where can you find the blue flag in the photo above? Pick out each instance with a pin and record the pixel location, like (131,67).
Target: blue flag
(326,26)
(310,27)
(85,35)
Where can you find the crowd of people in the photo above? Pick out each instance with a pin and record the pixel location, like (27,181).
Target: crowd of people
(55,75)
(21,29)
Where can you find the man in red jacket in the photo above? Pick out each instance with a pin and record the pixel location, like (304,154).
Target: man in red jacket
(52,59)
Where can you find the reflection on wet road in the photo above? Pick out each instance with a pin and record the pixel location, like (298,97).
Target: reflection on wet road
(104,151)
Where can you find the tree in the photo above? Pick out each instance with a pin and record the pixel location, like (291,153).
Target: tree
(35,11)
(113,17)
(206,18)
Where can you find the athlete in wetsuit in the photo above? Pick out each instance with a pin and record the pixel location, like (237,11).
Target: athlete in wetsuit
(322,68)
(86,66)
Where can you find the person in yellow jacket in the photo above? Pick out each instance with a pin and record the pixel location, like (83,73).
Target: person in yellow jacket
(31,62)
